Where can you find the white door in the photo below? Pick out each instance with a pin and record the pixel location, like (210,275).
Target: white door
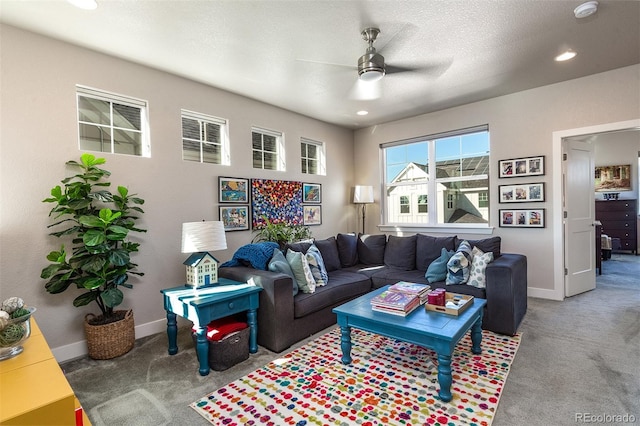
(579,208)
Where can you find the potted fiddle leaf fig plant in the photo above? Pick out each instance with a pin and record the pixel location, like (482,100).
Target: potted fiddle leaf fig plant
(99,262)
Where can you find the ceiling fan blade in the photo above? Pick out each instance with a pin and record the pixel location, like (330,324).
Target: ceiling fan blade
(353,67)
(392,69)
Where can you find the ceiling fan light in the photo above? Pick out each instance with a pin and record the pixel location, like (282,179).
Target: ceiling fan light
(371,75)
(586,9)
(371,67)
(565,56)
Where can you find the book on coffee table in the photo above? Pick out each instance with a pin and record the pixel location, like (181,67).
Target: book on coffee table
(395,302)
(416,289)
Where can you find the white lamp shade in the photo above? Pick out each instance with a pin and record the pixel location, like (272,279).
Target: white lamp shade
(203,236)
(363,194)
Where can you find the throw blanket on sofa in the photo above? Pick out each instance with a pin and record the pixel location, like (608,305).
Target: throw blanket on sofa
(257,255)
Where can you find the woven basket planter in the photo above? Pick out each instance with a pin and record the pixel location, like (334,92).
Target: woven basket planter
(110,340)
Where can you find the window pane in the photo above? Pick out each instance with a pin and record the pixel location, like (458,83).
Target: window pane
(256,139)
(398,157)
(463,202)
(269,143)
(303,150)
(211,153)
(312,167)
(212,133)
(127,117)
(127,142)
(270,161)
(304,166)
(312,151)
(190,150)
(94,138)
(94,110)
(257,159)
(190,128)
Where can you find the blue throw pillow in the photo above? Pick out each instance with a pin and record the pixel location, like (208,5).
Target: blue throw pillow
(437,270)
(459,266)
(278,263)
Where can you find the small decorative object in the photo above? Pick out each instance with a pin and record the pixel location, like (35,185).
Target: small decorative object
(311,193)
(312,215)
(532,218)
(199,238)
(611,195)
(233,190)
(522,193)
(15,326)
(519,167)
(235,218)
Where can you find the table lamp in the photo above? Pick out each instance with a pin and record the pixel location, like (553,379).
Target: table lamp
(199,238)
(363,194)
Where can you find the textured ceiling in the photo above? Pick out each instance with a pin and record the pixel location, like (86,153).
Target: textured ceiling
(302,55)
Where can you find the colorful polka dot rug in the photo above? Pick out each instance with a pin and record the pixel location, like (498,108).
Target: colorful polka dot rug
(389,382)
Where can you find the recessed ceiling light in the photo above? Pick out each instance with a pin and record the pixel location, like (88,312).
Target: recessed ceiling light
(84,4)
(565,56)
(363,112)
(586,9)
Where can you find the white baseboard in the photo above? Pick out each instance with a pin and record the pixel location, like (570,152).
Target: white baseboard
(543,293)
(79,349)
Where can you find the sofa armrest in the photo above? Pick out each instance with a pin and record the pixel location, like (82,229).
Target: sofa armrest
(506,293)
(276,302)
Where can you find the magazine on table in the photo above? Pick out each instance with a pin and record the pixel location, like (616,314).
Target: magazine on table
(417,289)
(395,301)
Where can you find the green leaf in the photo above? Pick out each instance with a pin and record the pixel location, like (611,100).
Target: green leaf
(123,191)
(85,298)
(93,237)
(112,297)
(109,216)
(50,271)
(79,204)
(94,264)
(91,283)
(91,221)
(121,279)
(58,283)
(119,257)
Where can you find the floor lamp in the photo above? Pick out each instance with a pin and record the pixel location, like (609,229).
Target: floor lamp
(363,194)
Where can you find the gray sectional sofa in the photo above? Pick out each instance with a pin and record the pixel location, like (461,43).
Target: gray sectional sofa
(359,264)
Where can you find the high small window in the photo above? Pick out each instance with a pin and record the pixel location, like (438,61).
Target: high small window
(422,204)
(312,157)
(112,123)
(268,149)
(405,207)
(204,138)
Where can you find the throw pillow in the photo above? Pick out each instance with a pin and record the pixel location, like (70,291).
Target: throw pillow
(371,249)
(429,248)
(488,244)
(400,252)
(278,263)
(329,250)
(301,270)
(315,269)
(459,265)
(315,252)
(347,249)
(477,276)
(437,270)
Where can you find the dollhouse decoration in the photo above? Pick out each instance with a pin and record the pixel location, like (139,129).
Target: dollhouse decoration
(199,238)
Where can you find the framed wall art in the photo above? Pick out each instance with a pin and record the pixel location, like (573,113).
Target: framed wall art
(528,218)
(521,193)
(280,201)
(613,178)
(312,215)
(519,167)
(233,190)
(235,218)
(311,193)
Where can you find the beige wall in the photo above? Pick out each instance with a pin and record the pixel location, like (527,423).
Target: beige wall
(520,125)
(39,134)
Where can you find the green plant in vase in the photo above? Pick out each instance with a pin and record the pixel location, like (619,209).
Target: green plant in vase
(281,233)
(99,224)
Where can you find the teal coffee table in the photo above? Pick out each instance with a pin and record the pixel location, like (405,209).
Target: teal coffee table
(438,331)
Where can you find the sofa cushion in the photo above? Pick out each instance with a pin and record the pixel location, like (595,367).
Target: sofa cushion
(342,286)
(390,275)
(278,263)
(347,249)
(371,249)
(315,270)
(315,252)
(477,276)
(301,246)
(437,271)
(301,270)
(488,244)
(329,250)
(429,248)
(400,252)
(459,265)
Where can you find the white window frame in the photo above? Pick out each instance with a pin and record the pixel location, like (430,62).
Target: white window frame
(280,152)
(203,120)
(88,92)
(321,158)
(432,225)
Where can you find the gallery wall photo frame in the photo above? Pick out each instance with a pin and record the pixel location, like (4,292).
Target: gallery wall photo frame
(235,218)
(521,193)
(233,190)
(311,193)
(521,167)
(312,215)
(522,218)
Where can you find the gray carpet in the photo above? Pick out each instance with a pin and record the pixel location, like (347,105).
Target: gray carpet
(578,360)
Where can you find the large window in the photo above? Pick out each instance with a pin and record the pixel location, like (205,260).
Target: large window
(439,179)
(268,149)
(312,157)
(204,138)
(112,123)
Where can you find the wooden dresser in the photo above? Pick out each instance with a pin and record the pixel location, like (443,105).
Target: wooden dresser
(619,220)
(33,389)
